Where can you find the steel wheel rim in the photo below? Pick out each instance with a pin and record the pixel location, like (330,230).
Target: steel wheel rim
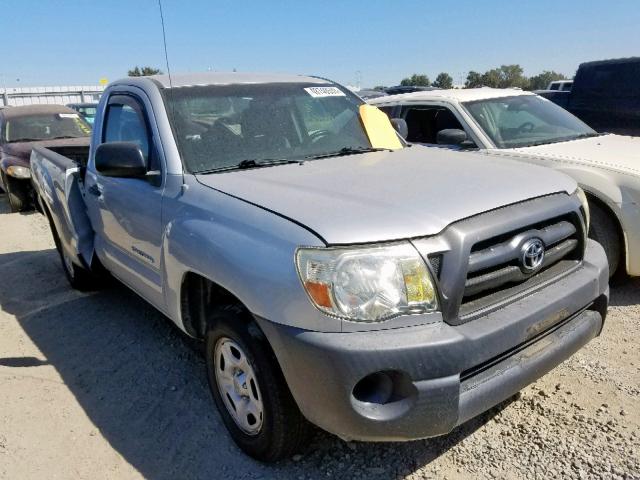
(238,386)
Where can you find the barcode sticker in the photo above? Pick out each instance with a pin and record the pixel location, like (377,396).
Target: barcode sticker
(324,92)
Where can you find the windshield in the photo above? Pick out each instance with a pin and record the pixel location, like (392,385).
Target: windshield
(48,126)
(218,126)
(525,121)
(88,113)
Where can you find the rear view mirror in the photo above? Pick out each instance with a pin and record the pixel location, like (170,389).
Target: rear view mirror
(400,126)
(454,136)
(120,159)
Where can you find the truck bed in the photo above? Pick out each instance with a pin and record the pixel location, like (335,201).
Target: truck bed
(58,177)
(67,156)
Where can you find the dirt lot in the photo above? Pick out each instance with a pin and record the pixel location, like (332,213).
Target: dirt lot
(101,386)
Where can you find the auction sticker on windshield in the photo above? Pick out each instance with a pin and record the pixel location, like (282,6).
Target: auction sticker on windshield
(324,92)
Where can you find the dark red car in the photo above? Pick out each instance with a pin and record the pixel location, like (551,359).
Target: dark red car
(21,128)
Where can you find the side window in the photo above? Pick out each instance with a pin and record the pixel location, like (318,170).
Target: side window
(425,122)
(125,122)
(387,110)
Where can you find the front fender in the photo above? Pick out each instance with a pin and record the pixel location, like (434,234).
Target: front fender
(619,192)
(244,249)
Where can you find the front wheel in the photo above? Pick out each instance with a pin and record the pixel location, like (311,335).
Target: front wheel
(249,389)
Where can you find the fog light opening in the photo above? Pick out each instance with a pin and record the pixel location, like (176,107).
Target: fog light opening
(374,388)
(384,395)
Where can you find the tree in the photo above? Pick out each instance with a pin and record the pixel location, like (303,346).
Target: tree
(513,76)
(443,80)
(491,78)
(144,71)
(474,80)
(507,76)
(416,80)
(542,80)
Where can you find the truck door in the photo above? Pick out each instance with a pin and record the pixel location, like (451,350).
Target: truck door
(127,212)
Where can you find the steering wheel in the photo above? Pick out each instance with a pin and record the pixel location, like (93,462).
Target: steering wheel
(526,127)
(318,135)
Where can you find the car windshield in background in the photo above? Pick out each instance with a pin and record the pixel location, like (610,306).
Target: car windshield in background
(88,113)
(525,121)
(48,126)
(220,127)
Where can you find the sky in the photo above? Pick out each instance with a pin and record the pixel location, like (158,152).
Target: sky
(78,42)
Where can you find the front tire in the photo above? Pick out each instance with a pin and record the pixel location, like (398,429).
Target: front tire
(604,230)
(249,389)
(18,194)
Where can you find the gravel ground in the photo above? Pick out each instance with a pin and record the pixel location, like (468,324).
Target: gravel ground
(102,386)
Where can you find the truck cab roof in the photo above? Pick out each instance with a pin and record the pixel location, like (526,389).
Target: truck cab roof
(219,78)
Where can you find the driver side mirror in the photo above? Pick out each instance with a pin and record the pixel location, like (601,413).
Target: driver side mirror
(400,126)
(455,137)
(120,159)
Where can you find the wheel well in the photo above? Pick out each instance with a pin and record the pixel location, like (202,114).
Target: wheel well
(197,297)
(623,251)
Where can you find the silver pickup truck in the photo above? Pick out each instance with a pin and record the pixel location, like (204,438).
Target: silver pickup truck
(380,293)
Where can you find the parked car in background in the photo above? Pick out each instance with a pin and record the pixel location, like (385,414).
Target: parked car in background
(407,89)
(86,110)
(560,85)
(524,126)
(21,128)
(366,94)
(605,95)
(381,292)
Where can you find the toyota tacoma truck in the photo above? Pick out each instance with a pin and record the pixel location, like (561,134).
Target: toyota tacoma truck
(335,276)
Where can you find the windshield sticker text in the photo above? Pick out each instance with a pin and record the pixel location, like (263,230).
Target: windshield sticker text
(324,92)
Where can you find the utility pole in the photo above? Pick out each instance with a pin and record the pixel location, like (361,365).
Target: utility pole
(5,95)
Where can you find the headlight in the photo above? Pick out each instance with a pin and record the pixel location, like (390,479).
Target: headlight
(367,284)
(585,206)
(18,172)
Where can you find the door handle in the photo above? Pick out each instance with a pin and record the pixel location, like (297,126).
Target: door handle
(95,190)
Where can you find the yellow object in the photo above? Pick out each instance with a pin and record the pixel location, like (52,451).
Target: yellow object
(379,129)
(103,81)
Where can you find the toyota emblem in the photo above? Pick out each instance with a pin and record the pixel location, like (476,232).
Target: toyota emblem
(532,255)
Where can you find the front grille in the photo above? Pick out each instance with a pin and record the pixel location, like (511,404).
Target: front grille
(495,269)
(476,260)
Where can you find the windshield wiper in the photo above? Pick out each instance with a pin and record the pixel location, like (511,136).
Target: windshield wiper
(250,163)
(64,136)
(347,151)
(563,139)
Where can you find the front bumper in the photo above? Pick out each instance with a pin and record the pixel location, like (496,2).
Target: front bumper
(445,374)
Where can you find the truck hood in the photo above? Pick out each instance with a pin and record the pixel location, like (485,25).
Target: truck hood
(21,151)
(615,152)
(384,196)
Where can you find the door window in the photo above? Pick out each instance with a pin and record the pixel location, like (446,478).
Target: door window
(425,122)
(125,122)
